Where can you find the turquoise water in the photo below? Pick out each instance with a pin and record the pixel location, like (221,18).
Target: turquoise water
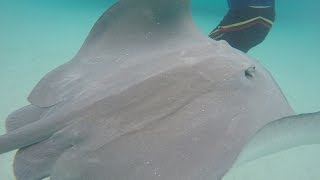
(38,35)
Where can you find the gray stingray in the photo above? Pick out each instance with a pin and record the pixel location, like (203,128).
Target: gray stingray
(148,96)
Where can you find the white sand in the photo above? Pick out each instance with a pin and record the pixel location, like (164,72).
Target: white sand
(36,39)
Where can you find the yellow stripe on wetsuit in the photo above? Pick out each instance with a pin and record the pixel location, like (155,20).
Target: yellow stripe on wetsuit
(243,23)
(248,21)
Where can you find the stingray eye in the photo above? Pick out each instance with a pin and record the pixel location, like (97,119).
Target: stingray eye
(249,73)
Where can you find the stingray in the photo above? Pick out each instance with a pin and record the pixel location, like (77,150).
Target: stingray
(148,96)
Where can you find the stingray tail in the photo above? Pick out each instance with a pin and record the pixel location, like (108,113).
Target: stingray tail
(282,134)
(23,128)
(25,136)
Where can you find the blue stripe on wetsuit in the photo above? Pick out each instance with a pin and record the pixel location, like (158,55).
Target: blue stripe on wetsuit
(235,4)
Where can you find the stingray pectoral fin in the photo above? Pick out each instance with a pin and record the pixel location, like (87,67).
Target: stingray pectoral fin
(36,161)
(282,134)
(27,135)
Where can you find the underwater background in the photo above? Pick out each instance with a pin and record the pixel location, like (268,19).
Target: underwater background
(38,35)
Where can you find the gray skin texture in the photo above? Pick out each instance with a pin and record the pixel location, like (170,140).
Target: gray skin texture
(148,96)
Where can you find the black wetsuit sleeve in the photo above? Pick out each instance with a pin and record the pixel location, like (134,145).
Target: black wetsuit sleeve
(245,28)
